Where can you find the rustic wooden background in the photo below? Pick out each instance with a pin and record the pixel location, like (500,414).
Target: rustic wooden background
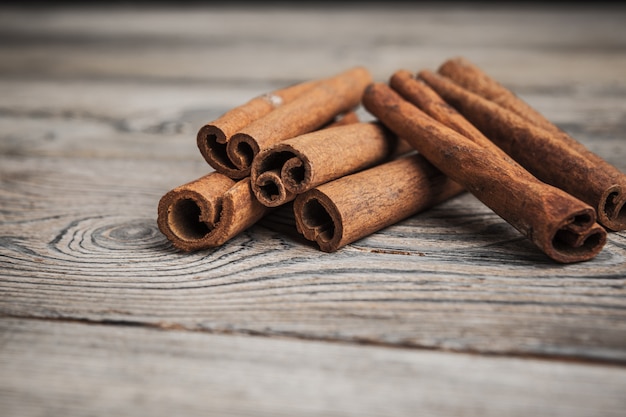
(448,313)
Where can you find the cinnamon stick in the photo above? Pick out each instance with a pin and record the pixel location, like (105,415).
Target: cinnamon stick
(213,137)
(426,99)
(296,165)
(312,109)
(207,212)
(351,207)
(562,226)
(474,79)
(540,146)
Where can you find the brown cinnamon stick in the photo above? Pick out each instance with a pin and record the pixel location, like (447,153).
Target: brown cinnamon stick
(207,212)
(474,79)
(562,226)
(471,77)
(351,207)
(213,137)
(296,165)
(540,146)
(312,109)
(426,99)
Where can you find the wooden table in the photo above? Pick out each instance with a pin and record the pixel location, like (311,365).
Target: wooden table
(450,312)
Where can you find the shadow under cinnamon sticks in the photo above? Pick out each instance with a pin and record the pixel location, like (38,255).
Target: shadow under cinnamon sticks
(562,226)
(527,136)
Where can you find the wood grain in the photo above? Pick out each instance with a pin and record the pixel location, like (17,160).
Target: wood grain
(106,370)
(455,277)
(99,109)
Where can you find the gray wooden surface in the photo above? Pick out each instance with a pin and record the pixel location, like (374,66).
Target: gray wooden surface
(448,313)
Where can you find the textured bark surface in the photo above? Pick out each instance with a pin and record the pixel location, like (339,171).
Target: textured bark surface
(213,138)
(540,146)
(354,206)
(296,165)
(563,227)
(207,212)
(315,107)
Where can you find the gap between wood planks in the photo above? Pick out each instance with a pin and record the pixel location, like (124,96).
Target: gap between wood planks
(167,326)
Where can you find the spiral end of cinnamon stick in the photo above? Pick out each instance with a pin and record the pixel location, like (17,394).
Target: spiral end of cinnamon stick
(578,238)
(212,143)
(189,215)
(318,220)
(612,209)
(269,189)
(187,219)
(278,174)
(241,149)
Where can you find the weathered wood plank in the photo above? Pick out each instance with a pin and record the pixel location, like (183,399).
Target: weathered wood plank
(80,241)
(98,115)
(518,43)
(74,369)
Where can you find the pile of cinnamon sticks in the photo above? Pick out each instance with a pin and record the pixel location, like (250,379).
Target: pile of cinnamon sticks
(434,136)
